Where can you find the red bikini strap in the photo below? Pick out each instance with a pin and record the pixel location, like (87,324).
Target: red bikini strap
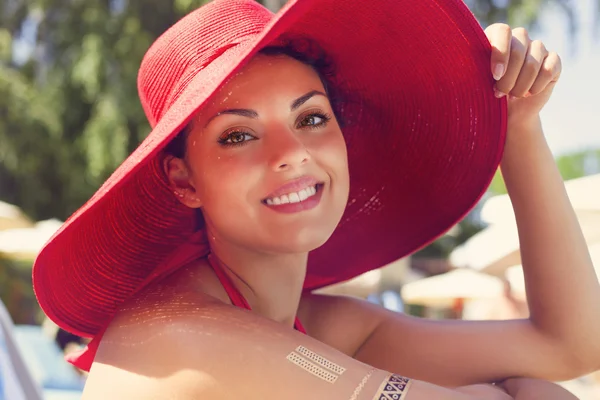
(234,294)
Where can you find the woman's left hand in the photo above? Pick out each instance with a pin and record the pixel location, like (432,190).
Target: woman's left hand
(527,388)
(524,70)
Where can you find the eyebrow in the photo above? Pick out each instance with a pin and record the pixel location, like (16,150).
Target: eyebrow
(244,112)
(303,99)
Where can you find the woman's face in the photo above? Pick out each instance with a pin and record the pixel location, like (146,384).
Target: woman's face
(266,160)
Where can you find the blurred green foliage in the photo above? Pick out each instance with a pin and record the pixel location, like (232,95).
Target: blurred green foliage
(69,112)
(521,12)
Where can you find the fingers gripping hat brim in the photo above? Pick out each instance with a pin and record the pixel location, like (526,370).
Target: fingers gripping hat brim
(423,129)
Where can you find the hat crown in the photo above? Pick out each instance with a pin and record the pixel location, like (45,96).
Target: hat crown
(190,45)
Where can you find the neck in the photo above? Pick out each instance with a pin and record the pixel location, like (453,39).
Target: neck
(270,283)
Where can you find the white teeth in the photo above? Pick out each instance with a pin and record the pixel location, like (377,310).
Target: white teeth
(303,194)
(295,197)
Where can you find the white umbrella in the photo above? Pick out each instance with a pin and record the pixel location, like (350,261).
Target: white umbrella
(584,194)
(497,247)
(11,217)
(442,290)
(27,242)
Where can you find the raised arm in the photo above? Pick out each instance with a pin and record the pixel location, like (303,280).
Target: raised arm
(562,286)
(559,340)
(219,352)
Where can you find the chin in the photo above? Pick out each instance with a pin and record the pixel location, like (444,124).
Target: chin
(299,242)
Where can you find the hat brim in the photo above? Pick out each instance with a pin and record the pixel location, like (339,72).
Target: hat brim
(424,132)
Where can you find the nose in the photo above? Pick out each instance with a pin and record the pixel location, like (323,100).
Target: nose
(288,152)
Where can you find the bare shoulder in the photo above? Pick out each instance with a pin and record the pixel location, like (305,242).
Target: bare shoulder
(189,347)
(342,322)
(141,354)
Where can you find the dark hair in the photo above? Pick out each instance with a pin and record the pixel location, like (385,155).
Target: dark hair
(303,50)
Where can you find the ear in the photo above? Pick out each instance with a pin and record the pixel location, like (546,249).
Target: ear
(179,177)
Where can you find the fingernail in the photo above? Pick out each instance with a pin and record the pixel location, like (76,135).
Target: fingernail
(499,94)
(498,71)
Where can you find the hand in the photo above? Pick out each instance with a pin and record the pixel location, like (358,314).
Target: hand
(527,388)
(485,391)
(525,70)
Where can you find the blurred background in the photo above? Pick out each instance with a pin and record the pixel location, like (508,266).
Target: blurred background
(69,114)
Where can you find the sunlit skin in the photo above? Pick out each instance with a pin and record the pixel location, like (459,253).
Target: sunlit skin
(248,142)
(209,349)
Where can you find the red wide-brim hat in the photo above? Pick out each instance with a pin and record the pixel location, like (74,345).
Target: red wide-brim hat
(424,132)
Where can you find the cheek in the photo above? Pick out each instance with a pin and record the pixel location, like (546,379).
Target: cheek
(225,184)
(333,154)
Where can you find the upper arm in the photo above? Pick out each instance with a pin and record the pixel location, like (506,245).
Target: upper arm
(447,352)
(220,352)
(460,352)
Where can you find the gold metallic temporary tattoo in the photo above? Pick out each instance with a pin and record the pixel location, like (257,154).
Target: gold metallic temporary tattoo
(312,368)
(323,362)
(315,364)
(362,384)
(394,387)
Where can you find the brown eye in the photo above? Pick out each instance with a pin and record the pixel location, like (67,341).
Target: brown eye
(314,120)
(236,138)
(311,120)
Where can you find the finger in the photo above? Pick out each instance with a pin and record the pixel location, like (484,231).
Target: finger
(499,36)
(549,72)
(519,48)
(531,67)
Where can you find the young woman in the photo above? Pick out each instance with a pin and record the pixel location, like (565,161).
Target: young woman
(293,151)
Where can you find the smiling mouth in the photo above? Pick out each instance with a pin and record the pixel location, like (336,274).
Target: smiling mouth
(294,197)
